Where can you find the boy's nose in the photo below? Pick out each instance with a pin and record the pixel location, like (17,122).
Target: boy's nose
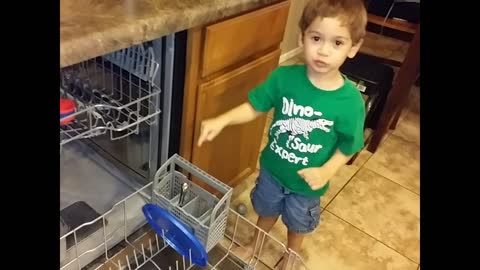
(323,49)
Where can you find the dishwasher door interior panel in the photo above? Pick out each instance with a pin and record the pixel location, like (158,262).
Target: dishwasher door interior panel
(85,176)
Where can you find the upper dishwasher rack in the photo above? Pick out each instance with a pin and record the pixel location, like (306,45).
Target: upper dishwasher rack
(113,93)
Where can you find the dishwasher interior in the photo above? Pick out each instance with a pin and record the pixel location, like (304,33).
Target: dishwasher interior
(114,133)
(221,232)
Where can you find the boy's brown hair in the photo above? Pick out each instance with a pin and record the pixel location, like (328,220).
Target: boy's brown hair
(352,13)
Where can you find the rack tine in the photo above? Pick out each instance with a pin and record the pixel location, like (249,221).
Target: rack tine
(156,240)
(261,248)
(288,260)
(151,248)
(135,255)
(128,263)
(76,249)
(253,258)
(164,242)
(234,233)
(294,261)
(125,220)
(143,253)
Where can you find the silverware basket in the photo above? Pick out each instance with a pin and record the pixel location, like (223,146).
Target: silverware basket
(201,211)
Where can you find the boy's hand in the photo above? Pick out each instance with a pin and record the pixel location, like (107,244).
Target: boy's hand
(316,177)
(210,129)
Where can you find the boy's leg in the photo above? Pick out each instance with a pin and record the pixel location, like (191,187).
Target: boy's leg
(295,241)
(266,224)
(255,243)
(301,216)
(268,202)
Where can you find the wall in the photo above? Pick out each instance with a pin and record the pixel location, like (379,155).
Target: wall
(290,39)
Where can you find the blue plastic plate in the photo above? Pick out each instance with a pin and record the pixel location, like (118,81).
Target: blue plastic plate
(175,234)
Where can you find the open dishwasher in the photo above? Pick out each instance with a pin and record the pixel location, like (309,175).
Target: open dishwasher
(126,98)
(201,217)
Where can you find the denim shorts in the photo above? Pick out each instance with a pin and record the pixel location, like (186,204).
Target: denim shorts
(299,213)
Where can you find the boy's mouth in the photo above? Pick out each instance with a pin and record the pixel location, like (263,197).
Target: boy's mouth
(320,63)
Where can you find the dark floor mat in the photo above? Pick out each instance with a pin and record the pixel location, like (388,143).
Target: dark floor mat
(77,214)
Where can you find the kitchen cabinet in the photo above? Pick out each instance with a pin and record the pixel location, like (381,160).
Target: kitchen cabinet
(226,60)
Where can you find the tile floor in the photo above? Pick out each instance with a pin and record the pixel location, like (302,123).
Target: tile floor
(371,214)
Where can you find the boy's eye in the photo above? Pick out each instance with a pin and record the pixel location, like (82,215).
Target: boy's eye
(338,42)
(316,38)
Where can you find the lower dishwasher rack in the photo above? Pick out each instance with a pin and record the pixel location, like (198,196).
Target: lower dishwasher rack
(124,240)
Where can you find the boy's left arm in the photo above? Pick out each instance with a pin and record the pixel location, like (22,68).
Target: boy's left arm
(351,140)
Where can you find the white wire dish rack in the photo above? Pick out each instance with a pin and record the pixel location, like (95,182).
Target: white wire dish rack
(221,230)
(112,93)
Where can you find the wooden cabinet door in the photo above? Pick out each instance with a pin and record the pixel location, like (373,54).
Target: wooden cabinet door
(232,41)
(232,155)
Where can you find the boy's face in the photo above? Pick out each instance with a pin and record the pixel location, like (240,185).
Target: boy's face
(327,43)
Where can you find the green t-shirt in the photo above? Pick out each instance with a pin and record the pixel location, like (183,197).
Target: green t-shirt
(308,125)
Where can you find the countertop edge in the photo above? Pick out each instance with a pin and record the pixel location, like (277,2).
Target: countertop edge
(125,35)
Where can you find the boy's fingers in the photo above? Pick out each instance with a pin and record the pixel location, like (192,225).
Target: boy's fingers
(202,138)
(211,135)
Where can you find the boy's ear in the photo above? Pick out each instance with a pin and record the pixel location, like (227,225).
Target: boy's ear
(300,39)
(354,50)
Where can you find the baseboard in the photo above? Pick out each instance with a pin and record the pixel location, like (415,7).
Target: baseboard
(290,54)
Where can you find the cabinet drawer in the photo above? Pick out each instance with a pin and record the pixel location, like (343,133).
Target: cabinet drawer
(233,154)
(242,37)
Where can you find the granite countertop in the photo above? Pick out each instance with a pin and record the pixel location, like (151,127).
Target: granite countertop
(91,28)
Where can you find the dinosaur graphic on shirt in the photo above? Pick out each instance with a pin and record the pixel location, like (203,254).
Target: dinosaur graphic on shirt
(300,126)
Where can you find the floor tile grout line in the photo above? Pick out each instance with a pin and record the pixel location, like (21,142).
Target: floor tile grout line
(403,139)
(393,181)
(353,176)
(349,180)
(371,236)
(400,138)
(335,196)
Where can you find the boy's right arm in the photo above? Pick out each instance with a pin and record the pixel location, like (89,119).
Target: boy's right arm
(210,128)
(260,100)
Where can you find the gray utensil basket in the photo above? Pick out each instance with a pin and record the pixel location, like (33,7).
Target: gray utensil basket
(202,212)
